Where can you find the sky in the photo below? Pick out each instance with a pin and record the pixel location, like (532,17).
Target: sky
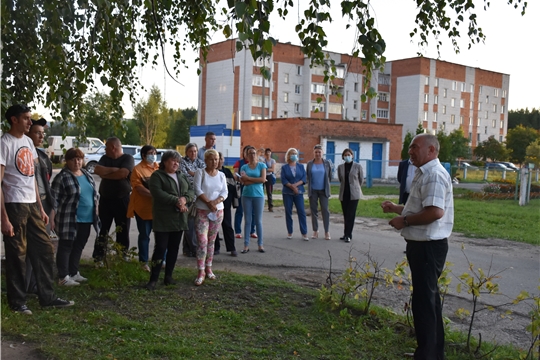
(509,48)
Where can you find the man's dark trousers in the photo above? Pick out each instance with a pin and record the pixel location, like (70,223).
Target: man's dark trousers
(426,260)
(109,210)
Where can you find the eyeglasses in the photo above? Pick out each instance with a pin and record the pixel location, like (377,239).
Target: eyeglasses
(39,133)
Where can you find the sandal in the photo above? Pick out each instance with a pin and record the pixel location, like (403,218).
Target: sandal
(199,281)
(211,276)
(315,235)
(327,236)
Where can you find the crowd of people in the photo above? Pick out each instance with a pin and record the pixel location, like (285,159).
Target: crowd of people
(191,197)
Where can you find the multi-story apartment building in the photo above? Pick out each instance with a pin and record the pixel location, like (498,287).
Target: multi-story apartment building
(437,94)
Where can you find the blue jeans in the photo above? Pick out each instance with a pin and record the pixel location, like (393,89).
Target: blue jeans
(238,219)
(145,228)
(298,201)
(253,210)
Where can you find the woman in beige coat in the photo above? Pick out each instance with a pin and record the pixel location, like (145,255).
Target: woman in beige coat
(351,178)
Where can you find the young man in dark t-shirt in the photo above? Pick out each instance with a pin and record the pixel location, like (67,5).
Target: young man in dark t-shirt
(114,168)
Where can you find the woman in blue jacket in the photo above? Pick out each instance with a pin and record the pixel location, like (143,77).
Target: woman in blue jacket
(293,178)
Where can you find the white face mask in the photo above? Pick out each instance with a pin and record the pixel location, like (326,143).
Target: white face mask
(348,158)
(151,158)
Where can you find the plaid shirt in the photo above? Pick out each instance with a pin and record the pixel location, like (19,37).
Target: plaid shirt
(191,165)
(66,191)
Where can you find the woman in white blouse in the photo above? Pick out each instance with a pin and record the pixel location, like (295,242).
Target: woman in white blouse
(211,190)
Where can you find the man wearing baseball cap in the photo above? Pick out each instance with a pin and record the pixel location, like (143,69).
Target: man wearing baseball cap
(43,172)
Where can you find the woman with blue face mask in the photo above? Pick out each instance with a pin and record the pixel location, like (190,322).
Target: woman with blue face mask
(293,178)
(140,201)
(319,175)
(351,178)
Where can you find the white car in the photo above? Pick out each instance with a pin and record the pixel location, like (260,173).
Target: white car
(138,158)
(92,159)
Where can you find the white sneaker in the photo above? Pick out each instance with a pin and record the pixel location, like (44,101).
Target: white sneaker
(67,281)
(77,277)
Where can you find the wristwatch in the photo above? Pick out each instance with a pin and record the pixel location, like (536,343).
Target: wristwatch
(405,221)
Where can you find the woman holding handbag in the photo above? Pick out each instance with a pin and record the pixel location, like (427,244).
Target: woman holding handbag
(211,190)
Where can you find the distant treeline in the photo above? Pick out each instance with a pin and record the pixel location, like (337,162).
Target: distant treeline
(525,117)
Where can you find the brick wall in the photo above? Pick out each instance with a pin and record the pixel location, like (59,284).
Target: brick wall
(304,133)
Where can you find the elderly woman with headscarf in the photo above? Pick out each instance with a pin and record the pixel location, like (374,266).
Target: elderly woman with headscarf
(171,192)
(293,178)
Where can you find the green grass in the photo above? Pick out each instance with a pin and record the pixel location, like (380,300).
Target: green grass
(501,219)
(235,317)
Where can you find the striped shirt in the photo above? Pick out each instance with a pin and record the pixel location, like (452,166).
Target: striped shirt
(431,186)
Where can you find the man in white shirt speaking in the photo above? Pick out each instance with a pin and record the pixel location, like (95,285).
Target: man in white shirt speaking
(426,222)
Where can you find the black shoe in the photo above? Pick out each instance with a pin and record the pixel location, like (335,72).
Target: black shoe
(59,303)
(347,239)
(151,285)
(216,252)
(169,281)
(23,309)
(234,253)
(343,238)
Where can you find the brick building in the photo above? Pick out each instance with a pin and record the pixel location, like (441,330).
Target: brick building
(437,94)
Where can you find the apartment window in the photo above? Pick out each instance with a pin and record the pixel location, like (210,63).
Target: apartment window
(297,108)
(479,106)
(445,92)
(285,114)
(426,98)
(436,99)
(472,89)
(494,107)
(364,114)
(462,87)
(470,136)
(436,82)
(504,93)
(383,114)
(317,106)
(298,70)
(355,104)
(480,90)
(502,124)
(500,138)
(454,85)
(435,117)
(493,123)
(356,87)
(347,95)
(384,79)
(384,96)
(485,130)
(425,115)
(487,99)
(444,109)
(355,118)
(502,109)
(258,81)
(461,120)
(256,100)
(297,89)
(443,127)
(452,119)
(496,92)
(286,97)
(461,103)
(486,115)
(478,137)
(318,89)
(427,81)
(471,105)
(286,78)
(453,102)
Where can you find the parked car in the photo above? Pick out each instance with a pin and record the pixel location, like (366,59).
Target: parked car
(468,166)
(137,157)
(495,166)
(56,147)
(509,165)
(92,159)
